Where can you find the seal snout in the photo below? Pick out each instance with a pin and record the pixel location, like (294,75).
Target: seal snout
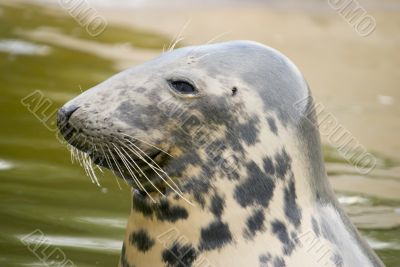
(63,116)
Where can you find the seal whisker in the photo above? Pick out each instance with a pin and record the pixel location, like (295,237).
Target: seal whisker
(90,168)
(217,37)
(74,152)
(128,158)
(134,177)
(175,43)
(149,144)
(88,164)
(177,191)
(95,150)
(178,37)
(117,165)
(151,166)
(96,180)
(142,172)
(80,161)
(84,161)
(110,166)
(99,168)
(131,172)
(155,166)
(70,149)
(84,165)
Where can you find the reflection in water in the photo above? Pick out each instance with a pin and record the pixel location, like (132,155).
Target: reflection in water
(380,245)
(77,242)
(351,200)
(20,47)
(107,222)
(5,165)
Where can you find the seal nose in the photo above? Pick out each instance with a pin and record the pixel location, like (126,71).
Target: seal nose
(64,114)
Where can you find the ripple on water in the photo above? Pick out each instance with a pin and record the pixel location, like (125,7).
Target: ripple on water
(74,242)
(107,222)
(379,245)
(20,47)
(352,200)
(5,165)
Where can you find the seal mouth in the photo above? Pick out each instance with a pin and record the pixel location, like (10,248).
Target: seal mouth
(141,170)
(120,164)
(137,162)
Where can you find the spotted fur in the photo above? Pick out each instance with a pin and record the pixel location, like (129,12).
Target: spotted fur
(231,174)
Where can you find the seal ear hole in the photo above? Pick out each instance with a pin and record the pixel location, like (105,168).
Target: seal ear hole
(234,90)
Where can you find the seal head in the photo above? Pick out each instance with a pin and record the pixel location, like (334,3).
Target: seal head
(226,90)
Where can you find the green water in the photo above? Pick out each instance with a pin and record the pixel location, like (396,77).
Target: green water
(40,189)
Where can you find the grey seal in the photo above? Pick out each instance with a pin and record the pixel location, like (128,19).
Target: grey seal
(220,145)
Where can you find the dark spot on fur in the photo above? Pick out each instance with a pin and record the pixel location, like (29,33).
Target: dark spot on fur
(269,166)
(198,186)
(217,205)
(215,235)
(140,204)
(327,231)
(279,229)
(179,255)
(166,212)
(292,210)
(264,259)
(315,226)
(258,188)
(279,262)
(337,260)
(249,131)
(272,125)
(283,164)
(141,240)
(215,148)
(190,158)
(255,223)
(190,123)
(228,166)
(129,112)
(234,143)
(233,175)
(163,211)
(208,170)
(295,237)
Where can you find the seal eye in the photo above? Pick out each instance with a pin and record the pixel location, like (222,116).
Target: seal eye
(183,87)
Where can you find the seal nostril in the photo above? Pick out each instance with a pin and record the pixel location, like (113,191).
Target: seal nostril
(65,113)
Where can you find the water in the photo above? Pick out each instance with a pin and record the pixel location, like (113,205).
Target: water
(45,198)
